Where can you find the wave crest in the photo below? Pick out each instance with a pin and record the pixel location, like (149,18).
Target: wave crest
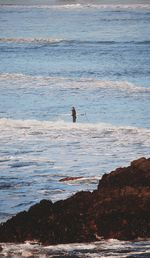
(62,125)
(31,40)
(22,80)
(49,41)
(81,6)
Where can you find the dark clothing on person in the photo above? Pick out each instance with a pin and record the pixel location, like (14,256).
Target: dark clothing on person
(74,116)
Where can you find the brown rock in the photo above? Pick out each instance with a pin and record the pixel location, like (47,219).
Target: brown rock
(136,175)
(70,178)
(143,164)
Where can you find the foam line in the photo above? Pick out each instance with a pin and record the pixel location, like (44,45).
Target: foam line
(67,126)
(50,41)
(31,40)
(82,6)
(68,83)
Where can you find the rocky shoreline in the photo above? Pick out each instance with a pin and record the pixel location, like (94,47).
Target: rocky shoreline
(119,208)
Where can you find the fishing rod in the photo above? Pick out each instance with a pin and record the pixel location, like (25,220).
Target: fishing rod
(84,114)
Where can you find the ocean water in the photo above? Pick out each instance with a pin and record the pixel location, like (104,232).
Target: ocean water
(58,54)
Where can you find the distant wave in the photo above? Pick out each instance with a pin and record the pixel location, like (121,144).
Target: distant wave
(50,41)
(22,80)
(31,40)
(146,42)
(99,6)
(81,6)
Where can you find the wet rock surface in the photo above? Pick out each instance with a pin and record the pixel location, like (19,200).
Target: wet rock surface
(119,208)
(70,178)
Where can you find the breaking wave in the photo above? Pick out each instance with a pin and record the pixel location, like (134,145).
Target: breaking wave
(22,80)
(53,41)
(60,126)
(105,248)
(31,40)
(77,6)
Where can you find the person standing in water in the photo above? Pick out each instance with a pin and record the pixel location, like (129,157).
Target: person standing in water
(74,115)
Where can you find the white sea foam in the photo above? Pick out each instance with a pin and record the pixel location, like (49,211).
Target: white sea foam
(85,140)
(49,41)
(67,126)
(103,6)
(71,247)
(59,125)
(24,81)
(31,40)
(102,249)
(78,6)
(65,131)
(83,180)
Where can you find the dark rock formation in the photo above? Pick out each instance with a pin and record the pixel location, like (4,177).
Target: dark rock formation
(70,178)
(119,208)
